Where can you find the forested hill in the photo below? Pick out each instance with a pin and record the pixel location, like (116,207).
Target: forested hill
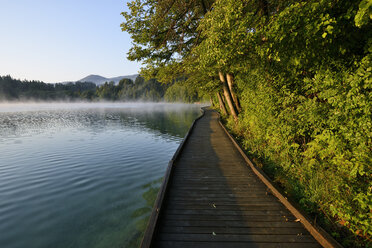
(99,80)
(14,89)
(126,90)
(293,81)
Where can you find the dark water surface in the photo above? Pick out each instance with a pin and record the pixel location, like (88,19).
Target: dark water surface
(83,175)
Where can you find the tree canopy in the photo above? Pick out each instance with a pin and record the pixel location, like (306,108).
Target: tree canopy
(296,76)
(163,32)
(126,90)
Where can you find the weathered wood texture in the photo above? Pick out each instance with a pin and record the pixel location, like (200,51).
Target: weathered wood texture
(213,199)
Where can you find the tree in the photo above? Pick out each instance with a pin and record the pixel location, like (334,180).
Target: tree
(163,32)
(300,71)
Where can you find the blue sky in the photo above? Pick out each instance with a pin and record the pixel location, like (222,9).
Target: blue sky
(63,40)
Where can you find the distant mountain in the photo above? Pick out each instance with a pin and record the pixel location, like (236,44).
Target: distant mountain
(99,80)
(94,79)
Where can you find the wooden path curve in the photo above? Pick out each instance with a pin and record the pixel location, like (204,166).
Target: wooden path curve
(211,198)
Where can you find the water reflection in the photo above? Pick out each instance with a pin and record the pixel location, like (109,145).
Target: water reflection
(166,119)
(84,177)
(142,214)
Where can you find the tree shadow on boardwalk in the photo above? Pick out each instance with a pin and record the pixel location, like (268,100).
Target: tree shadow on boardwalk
(215,200)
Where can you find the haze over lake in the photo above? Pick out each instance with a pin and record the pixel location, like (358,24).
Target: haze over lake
(84,175)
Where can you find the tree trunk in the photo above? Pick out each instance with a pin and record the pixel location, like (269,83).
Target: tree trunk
(204,7)
(228,98)
(264,7)
(230,82)
(222,105)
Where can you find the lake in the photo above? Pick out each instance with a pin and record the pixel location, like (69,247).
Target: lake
(84,175)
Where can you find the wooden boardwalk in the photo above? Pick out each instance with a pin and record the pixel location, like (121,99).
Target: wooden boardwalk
(211,198)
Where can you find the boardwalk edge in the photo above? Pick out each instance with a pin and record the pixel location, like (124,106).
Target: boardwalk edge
(156,210)
(324,238)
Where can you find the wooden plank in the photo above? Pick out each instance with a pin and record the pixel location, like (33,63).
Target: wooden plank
(217,217)
(222,192)
(284,238)
(233,230)
(241,223)
(220,244)
(217,194)
(206,169)
(214,187)
(217,202)
(221,201)
(206,190)
(255,204)
(224,179)
(236,180)
(227,212)
(221,184)
(202,174)
(209,206)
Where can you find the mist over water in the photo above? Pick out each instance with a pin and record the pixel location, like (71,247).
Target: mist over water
(139,106)
(86,174)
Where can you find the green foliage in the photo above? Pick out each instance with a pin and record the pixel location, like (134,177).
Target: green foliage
(126,90)
(162,31)
(225,36)
(303,72)
(181,93)
(13,89)
(307,108)
(364,13)
(318,144)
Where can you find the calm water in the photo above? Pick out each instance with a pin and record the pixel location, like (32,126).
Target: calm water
(83,175)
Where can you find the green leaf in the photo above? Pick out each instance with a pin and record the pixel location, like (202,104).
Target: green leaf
(364,13)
